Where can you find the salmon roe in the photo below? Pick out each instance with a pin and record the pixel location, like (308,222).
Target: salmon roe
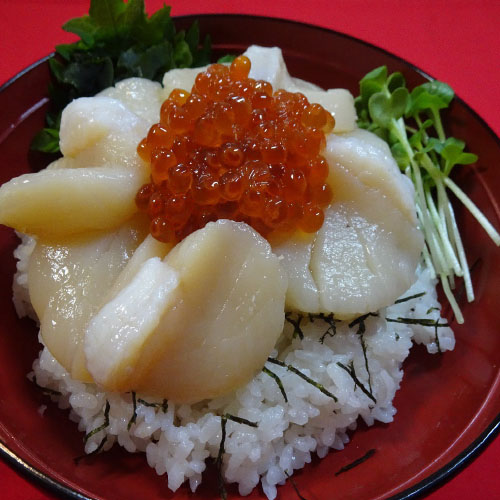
(234,149)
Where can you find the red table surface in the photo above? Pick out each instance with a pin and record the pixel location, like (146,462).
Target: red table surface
(457,41)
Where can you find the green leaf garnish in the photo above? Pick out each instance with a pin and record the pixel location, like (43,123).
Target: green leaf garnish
(383,108)
(117,41)
(46,140)
(228,58)
(411,125)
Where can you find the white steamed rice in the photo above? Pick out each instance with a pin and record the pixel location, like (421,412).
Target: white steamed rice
(179,441)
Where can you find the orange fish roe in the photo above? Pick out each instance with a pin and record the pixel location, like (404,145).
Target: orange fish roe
(234,149)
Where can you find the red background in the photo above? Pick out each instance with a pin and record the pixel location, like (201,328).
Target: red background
(456,41)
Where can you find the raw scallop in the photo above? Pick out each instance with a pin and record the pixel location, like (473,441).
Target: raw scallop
(68,282)
(100,130)
(219,311)
(60,202)
(268,64)
(367,250)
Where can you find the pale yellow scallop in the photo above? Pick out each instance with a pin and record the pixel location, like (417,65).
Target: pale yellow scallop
(100,131)
(59,202)
(365,254)
(219,310)
(68,282)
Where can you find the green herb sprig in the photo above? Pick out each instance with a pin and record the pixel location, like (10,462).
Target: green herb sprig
(117,41)
(410,122)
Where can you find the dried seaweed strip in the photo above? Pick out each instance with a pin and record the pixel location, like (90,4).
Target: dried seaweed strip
(418,321)
(411,297)
(297,331)
(101,427)
(356,462)
(278,381)
(352,372)
(329,320)
(241,420)
(134,415)
(92,453)
(309,380)
(294,486)
(46,390)
(163,405)
(367,367)
(360,322)
(220,454)
(361,319)
(437,339)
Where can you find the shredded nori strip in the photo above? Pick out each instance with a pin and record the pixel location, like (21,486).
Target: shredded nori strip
(101,427)
(352,372)
(163,405)
(292,482)
(297,331)
(292,369)
(220,454)
(218,461)
(134,415)
(273,375)
(92,453)
(418,321)
(437,338)
(404,299)
(361,330)
(329,320)
(46,390)
(241,420)
(356,462)
(361,319)
(363,347)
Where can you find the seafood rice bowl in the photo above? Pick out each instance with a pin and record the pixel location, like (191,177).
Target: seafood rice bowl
(221,341)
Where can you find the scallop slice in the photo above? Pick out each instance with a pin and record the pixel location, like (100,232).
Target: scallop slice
(340,103)
(295,257)
(58,202)
(366,157)
(367,250)
(97,131)
(115,337)
(147,250)
(140,95)
(180,78)
(67,284)
(219,321)
(364,256)
(268,64)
